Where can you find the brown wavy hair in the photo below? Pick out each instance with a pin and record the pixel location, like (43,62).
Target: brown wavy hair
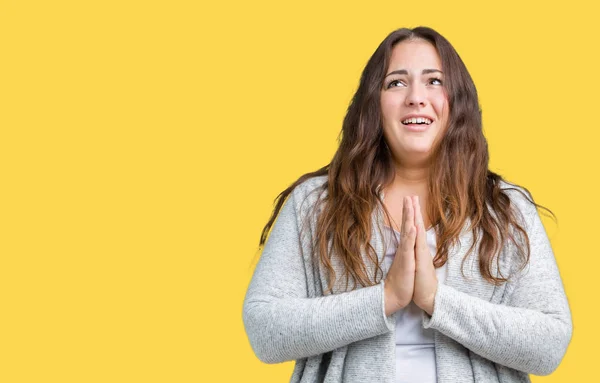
(460,185)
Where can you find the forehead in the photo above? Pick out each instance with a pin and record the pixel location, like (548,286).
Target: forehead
(414,54)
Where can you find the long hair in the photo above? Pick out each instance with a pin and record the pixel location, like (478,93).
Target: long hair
(460,185)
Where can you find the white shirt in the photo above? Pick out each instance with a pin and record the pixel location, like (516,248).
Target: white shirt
(415,352)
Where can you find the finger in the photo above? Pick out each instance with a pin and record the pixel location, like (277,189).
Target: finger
(422,247)
(409,220)
(409,229)
(418,217)
(418,214)
(407,214)
(402,225)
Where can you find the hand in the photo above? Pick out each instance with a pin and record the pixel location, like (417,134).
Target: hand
(400,280)
(426,281)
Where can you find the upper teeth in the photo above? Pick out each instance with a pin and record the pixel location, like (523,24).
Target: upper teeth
(417,120)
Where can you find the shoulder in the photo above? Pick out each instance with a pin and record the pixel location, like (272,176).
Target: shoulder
(310,190)
(520,198)
(305,198)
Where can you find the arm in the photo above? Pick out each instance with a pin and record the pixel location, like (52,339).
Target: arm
(531,332)
(283,323)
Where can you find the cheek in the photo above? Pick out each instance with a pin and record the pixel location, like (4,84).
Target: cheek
(441,107)
(389,108)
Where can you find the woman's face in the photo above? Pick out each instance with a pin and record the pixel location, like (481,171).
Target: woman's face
(413,87)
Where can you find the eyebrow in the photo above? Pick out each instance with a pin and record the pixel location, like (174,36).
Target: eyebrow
(403,71)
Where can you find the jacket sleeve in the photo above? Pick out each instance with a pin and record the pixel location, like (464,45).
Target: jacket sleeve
(532,331)
(282,323)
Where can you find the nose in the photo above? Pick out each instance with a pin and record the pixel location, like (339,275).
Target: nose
(415,96)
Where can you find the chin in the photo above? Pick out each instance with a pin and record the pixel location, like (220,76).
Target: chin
(418,150)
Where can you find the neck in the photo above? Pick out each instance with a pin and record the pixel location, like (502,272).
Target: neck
(413,176)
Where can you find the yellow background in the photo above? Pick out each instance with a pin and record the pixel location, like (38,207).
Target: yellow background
(143,143)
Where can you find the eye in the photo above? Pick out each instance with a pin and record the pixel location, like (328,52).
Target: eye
(393,83)
(436,79)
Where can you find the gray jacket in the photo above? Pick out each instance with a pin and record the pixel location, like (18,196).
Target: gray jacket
(484,333)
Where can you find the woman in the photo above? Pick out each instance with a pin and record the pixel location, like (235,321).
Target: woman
(406,259)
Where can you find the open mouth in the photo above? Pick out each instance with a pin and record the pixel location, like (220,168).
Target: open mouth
(417,121)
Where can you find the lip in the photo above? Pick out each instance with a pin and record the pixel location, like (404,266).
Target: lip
(413,115)
(416,127)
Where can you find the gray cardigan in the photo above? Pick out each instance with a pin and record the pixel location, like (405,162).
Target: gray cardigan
(484,333)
